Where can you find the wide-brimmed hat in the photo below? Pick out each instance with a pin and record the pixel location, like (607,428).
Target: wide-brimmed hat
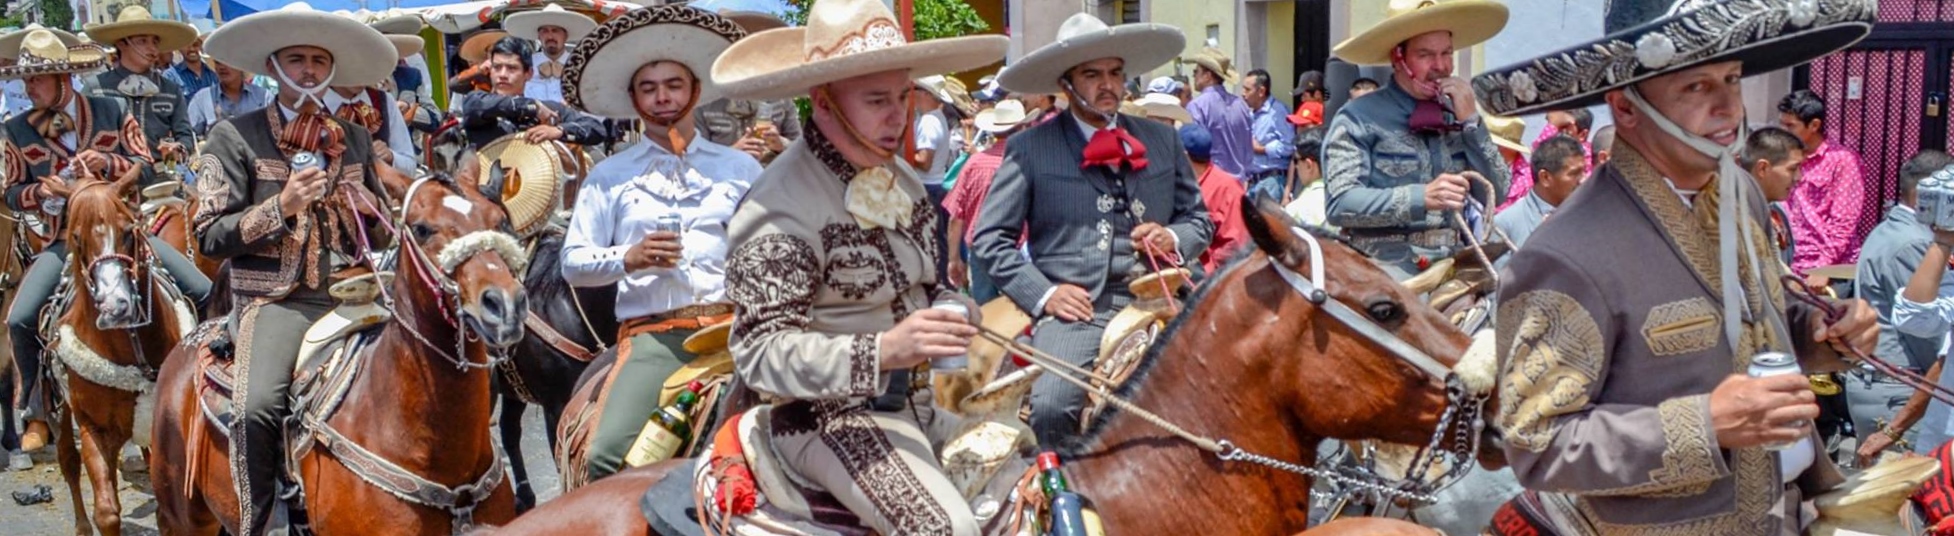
(1471,22)
(598,75)
(407,45)
(1650,38)
(842,39)
(1214,59)
(1083,38)
(476,49)
(40,51)
(533,180)
(10,43)
(753,21)
(134,20)
(526,24)
(361,56)
(937,86)
(1164,105)
(1507,132)
(404,24)
(1007,115)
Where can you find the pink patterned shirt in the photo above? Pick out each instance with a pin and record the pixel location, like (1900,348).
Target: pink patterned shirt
(1825,208)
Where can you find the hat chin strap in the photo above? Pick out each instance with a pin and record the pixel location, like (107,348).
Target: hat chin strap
(821,96)
(317,95)
(1730,209)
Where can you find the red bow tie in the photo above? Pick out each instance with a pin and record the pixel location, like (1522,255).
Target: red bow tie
(1109,148)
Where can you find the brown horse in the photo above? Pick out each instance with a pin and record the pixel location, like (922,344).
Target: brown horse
(1253,361)
(13,244)
(421,402)
(122,323)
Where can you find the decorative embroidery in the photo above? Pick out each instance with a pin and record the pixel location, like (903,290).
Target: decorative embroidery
(35,155)
(213,192)
(1757,492)
(864,365)
(825,151)
(871,460)
(104,141)
(1105,236)
(1553,358)
(850,269)
(635,19)
(877,34)
(1105,203)
(771,279)
(1697,247)
(272,170)
(247,320)
(1682,327)
(261,221)
(1688,454)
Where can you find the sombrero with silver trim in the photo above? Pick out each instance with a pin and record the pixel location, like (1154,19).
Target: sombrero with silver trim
(598,76)
(1650,38)
(361,56)
(533,179)
(528,23)
(1084,38)
(10,43)
(135,20)
(842,39)
(1471,22)
(41,52)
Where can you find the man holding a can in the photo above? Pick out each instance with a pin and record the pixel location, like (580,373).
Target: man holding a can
(1625,335)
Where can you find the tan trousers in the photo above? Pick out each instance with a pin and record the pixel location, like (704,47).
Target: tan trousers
(881,465)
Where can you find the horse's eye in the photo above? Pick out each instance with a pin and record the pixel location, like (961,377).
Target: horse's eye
(1385,311)
(422,232)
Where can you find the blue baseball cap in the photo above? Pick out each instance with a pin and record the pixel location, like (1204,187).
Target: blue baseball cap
(1164,84)
(1197,139)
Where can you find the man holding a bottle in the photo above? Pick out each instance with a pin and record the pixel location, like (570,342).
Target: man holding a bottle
(652,219)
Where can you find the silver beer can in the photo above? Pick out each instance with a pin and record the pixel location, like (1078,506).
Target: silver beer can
(1928,200)
(953,363)
(1770,364)
(1944,203)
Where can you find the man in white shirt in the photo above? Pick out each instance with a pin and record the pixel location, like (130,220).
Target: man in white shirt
(651,220)
(552,28)
(934,151)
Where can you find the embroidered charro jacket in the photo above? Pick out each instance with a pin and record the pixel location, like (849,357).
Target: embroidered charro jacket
(99,124)
(813,287)
(240,174)
(1375,169)
(1611,338)
(164,115)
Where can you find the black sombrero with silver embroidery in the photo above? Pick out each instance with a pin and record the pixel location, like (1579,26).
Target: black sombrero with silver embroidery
(1650,38)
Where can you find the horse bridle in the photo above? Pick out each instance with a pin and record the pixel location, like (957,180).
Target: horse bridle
(128,264)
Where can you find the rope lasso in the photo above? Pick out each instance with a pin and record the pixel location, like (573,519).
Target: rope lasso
(1061,369)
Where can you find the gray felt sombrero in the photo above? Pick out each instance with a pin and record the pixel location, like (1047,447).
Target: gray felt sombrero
(1083,38)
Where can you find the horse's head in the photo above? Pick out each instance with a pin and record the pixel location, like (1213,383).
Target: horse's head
(1367,357)
(461,238)
(104,235)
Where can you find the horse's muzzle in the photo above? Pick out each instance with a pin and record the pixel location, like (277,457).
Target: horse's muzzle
(497,317)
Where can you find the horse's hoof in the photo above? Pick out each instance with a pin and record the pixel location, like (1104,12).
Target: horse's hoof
(19,461)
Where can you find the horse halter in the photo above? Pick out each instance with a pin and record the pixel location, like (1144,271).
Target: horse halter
(437,274)
(141,295)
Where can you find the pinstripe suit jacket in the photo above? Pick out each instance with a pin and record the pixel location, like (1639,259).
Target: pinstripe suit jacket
(1073,220)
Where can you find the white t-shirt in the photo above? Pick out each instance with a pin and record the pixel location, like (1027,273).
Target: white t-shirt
(933,134)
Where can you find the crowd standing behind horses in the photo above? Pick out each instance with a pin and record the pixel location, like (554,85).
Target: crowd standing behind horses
(307,293)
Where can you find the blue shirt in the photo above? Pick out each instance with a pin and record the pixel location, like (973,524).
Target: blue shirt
(1278,139)
(191,82)
(210,106)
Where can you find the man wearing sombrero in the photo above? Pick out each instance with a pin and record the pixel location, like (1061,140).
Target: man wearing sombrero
(1393,162)
(1098,197)
(966,200)
(832,268)
(13,93)
(1625,331)
(759,128)
(281,233)
(377,111)
(142,47)
(62,137)
(552,28)
(505,110)
(670,281)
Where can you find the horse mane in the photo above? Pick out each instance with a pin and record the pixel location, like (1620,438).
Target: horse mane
(92,202)
(544,279)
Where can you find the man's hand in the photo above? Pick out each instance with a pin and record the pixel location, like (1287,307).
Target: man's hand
(1463,104)
(959,272)
(52,187)
(169,149)
(770,134)
(1153,234)
(543,133)
(93,160)
(1857,329)
(1447,192)
(1069,303)
(659,249)
(301,190)
(1871,447)
(924,335)
(544,115)
(1752,412)
(1944,237)
(753,146)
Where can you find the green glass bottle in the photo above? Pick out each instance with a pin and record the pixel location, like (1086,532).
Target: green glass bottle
(667,430)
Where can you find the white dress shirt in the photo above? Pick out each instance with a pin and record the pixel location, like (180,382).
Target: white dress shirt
(397,140)
(619,205)
(545,89)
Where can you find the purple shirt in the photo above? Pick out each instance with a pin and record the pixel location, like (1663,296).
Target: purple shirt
(1229,120)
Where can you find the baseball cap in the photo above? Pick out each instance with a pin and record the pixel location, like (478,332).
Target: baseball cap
(1197,139)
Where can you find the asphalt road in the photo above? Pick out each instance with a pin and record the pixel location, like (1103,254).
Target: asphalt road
(139,509)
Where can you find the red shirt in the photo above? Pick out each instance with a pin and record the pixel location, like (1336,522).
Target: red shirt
(1223,193)
(973,183)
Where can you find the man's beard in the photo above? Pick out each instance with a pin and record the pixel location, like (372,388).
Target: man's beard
(552,50)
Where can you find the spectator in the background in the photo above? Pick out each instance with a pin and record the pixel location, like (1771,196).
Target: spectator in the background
(1272,137)
(1893,256)
(1228,118)
(1506,133)
(967,196)
(1575,123)
(1221,192)
(1362,87)
(933,149)
(229,98)
(1169,85)
(1828,207)
(1309,109)
(1558,167)
(1776,158)
(1603,145)
(192,70)
(1312,204)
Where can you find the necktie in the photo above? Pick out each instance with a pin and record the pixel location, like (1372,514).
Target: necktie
(1428,117)
(139,86)
(362,114)
(1113,147)
(310,131)
(51,124)
(875,200)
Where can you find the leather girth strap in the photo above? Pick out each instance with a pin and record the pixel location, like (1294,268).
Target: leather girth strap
(556,339)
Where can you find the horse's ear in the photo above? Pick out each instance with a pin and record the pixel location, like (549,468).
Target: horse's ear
(1270,227)
(393,181)
(492,180)
(125,184)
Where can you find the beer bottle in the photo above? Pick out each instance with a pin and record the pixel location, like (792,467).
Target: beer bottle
(1068,509)
(667,430)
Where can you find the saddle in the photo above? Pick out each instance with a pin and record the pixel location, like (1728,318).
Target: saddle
(712,368)
(324,354)
(1134,330)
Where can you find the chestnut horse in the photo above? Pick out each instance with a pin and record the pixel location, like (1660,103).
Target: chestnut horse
(540,371)
(114,335)
(13,248)
(1253,361)
(421,403)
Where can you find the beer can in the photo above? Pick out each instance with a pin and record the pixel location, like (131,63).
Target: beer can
(1944,203)
(953,363)
(670,223)
(1928,200)
(1770,364)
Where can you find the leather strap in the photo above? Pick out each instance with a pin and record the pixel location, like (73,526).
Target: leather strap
(540,328)
(459,501)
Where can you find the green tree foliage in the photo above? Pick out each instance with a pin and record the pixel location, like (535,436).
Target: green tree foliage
(935,19)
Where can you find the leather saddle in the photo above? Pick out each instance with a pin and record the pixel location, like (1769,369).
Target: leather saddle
(327,357)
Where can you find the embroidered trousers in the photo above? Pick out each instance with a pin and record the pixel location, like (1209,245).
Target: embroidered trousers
(267,349)
(881,465)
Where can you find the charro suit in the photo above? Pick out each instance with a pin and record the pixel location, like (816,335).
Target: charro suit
(164,116)
(1077,223)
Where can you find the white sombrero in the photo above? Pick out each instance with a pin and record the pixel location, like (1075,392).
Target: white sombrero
(1083,38)
(842,39)
(526,24)
(1471,22)
(134,20)
(1007,115)
(598,76)
(10,43)
(40,51)
(361,56)
(398,24)
(1164,105)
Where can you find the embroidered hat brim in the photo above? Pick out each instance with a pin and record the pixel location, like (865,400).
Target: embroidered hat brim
(772,65)
(1766,35)
(597,78)
(10,43)
(361,56)
(537,177)
(1143,47)
(82,59)
(476,49)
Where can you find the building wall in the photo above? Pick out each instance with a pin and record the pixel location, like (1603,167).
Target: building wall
(1193,18)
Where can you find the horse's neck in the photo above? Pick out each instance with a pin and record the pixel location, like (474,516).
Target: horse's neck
(410,391)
